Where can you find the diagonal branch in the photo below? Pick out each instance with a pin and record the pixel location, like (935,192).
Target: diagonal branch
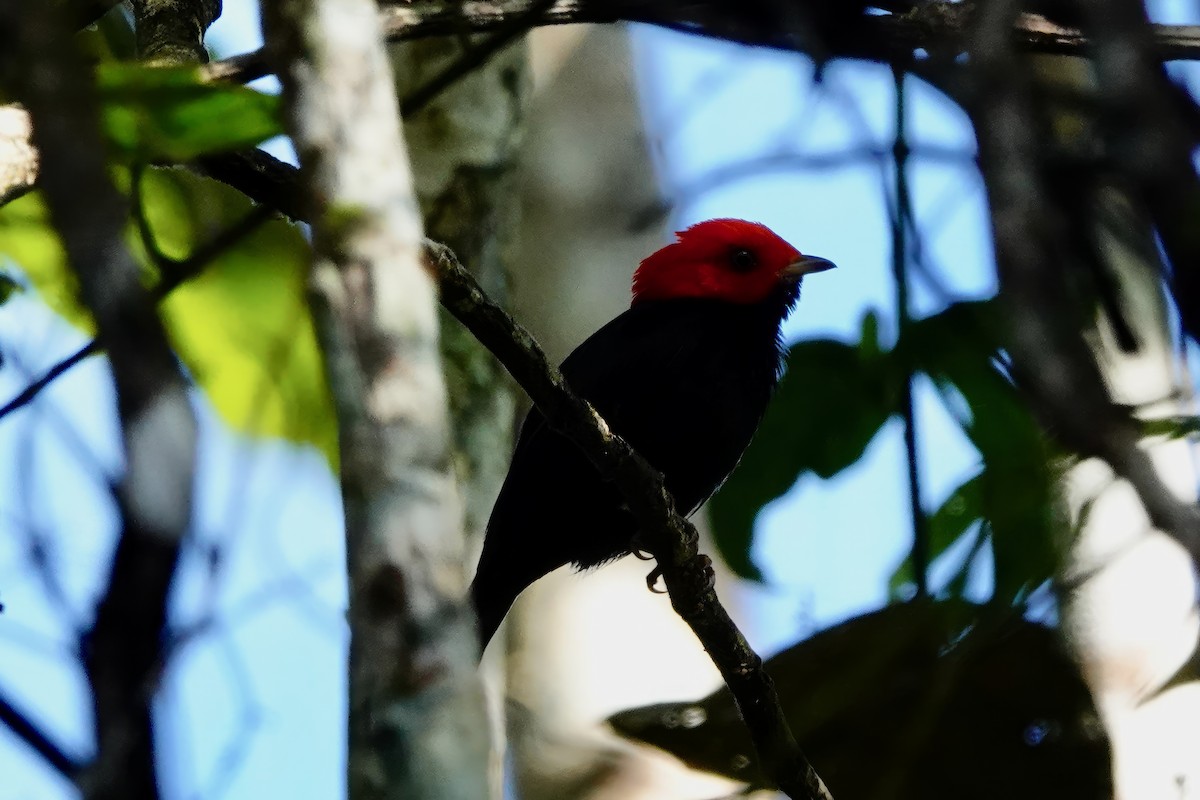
(32,735)
(173,275)
(687,573)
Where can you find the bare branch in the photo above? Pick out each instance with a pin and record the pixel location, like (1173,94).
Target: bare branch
(933,27)
(175,273)
(172,31)
(691,596)
(687,573)
(31,734)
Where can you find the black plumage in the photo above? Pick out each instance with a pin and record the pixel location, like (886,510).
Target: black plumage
(684,376)
(685,382)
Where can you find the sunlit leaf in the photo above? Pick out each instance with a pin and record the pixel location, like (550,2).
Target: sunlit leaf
(169,113)
(1171,427)
(29,243)
(242,327)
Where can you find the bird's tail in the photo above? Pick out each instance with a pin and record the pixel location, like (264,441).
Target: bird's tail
(493,592)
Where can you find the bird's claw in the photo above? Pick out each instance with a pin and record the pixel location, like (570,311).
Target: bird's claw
(652,581)
(641,555)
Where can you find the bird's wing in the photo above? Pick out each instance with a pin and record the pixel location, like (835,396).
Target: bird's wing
(616,367)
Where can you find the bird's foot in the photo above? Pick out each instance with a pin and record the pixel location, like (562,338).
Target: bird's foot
(642,554)
(702,569)
(652,581)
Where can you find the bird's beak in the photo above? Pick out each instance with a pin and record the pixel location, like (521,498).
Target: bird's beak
(805,265)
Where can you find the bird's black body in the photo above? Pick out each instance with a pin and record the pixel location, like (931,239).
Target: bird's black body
(685,382)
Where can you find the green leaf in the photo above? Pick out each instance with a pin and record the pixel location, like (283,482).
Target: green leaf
(868,342)
(1171,427)
(170,113)
(955,518)
(242,327)
(957,349)
(29,242)
(832,400)
(977,538)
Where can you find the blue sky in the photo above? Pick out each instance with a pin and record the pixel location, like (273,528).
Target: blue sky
(250,695)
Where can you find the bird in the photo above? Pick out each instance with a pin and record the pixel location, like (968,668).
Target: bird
(684,376)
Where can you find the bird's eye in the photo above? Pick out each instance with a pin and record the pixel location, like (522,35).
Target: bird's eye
(743,260)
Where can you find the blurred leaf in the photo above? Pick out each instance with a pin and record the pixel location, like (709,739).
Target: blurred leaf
(957,349)
(8,287)
(868,342)
(979,536)
(916,701)
(952,520)
(835,397)
(241,327)
(29,242)
(169,113)
(1171,427)
(111,38)
(832,400)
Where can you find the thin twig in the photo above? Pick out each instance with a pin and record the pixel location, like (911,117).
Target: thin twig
(474,57)
(180,272)
(31,734)
(27,395)
(687,574)
(920,545)
(937,26)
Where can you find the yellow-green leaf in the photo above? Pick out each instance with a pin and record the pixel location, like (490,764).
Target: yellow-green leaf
(242,327)
(170,113)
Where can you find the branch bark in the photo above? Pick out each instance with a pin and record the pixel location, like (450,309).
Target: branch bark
(463,147)
(123,652)
(687,573)
(936,27)
(417,726)
(172,31)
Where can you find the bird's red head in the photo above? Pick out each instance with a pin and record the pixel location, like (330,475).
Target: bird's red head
(722,259)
